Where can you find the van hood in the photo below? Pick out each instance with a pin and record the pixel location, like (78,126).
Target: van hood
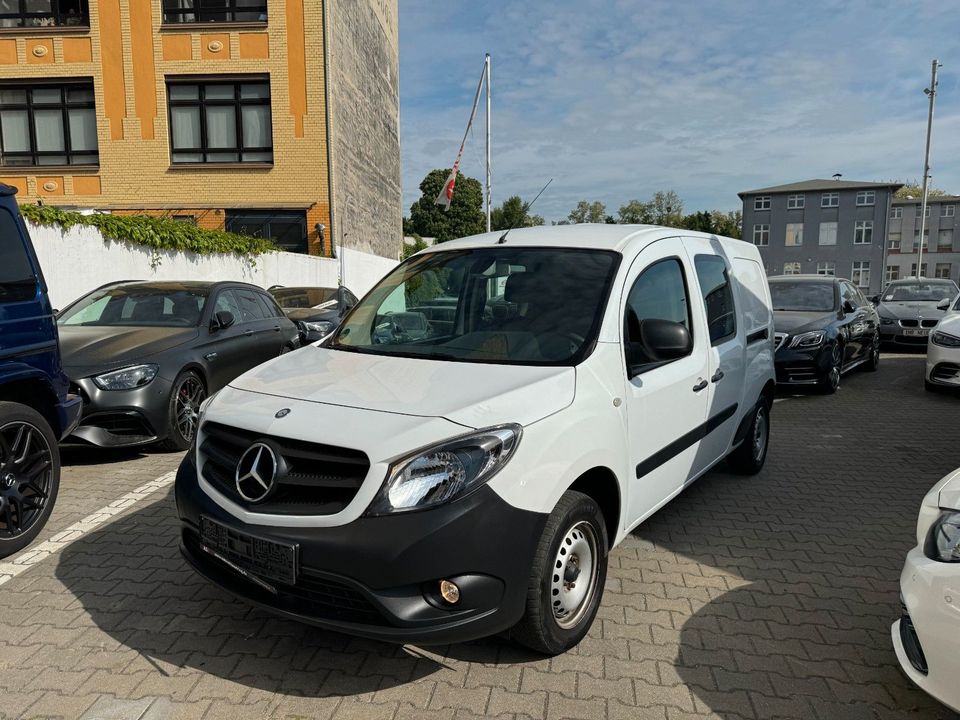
(97,346)
(471,394)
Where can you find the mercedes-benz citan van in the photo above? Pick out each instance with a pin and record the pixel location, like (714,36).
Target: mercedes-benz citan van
(460,456)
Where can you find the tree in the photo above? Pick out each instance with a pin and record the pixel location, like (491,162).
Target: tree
(514,212)
(716,222)
(586,212)
(635,212)
(666,208)
(700,221)
(915,190)
(417,246)
(465,216)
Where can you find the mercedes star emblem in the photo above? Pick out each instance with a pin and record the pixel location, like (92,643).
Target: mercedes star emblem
(256,472)
(283,412)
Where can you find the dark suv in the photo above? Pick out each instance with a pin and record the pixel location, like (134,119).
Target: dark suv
(36,410)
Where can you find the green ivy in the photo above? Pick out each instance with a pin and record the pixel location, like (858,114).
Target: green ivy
(153,232)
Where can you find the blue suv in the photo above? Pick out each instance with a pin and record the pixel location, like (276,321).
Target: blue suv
(36,407)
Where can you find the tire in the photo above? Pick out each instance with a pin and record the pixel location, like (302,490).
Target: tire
(873,364)
(751,454)
(183,407)
(548,626)
(830,382)
(29,475)
(930,387)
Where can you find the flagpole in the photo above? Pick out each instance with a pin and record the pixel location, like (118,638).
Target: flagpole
(487,68)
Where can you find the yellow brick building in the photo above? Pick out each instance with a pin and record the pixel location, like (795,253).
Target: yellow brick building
(218,112)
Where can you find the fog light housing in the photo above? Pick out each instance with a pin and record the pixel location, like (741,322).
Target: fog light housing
(449,592)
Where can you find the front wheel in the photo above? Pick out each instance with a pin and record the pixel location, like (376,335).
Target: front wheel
(873,364)
(29,475)
(830,382)
(183,410)
(751,454)
(567,578)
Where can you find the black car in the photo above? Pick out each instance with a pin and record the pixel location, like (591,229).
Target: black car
(824,327)
(144,355)
(317,310)
(910,308)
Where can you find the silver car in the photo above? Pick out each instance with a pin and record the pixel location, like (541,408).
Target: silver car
(910,308)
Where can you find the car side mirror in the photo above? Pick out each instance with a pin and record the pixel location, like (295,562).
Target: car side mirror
(659,342)
(944,304)
(849,307)
(875,299)
(221,320)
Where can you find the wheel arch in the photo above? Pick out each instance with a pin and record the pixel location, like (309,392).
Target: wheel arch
(201,372)
(600,483)
(36,393)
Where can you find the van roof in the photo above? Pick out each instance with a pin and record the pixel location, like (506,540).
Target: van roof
(590,236)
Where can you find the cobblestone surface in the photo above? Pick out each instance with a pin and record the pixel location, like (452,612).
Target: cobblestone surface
(761,597)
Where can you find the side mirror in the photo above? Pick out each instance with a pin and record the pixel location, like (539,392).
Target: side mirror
(944,304)
(660,341)
(875,299)
(221,320)
(848,307)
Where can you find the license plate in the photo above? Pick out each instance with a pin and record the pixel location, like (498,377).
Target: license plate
(916,332)
(265,558)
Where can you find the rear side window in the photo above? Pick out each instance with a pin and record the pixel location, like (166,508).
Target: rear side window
(717,297)
(660,293)
(250,309)
(17,280)
(270,305)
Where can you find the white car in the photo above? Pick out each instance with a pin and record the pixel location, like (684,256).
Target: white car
(927,636)
(471,477)
(943,350)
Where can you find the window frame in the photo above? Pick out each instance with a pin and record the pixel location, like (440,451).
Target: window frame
(922,270)
(64,106)
(854,270)
(899,242)
(836,228)
(764,230)
(948,210)
(896,212)
(797,236)
(237,102)
(827,268)
(761,202)
(860,228)
(796,202)
(827,196)
(866,198)
(56,12)
(229,7)
(937,267)
(892,273)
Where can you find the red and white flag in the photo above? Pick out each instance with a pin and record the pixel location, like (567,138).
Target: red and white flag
(446,194)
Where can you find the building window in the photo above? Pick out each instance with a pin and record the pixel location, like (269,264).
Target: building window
(214,11)
(795,202)
(791,268)
(926,238)
(863,232)
(866,197)
(861,273)
(896,213)
(893,273)
(761,202)
(828,233)
(942,270)
(947,210)
(895,239)
(188,219)
(287,228)
(48,124)
(761,235)
(43,13)
(945,240)
(923,270)
(794,234)
(830,200)
(926,212)
(221,121)
(827,267)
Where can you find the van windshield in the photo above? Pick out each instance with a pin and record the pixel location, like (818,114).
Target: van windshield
(514,306)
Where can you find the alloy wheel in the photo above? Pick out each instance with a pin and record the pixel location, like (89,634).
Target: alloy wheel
(575,570)
(833,374)
(26,468)
(190,395)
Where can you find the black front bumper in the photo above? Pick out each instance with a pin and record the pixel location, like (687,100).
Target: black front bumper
(122,418)
(802,367)
(378,577)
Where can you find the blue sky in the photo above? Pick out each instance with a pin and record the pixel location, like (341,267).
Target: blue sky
(616,99)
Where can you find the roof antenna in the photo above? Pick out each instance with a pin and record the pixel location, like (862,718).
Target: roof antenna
(526,208)
(837,176)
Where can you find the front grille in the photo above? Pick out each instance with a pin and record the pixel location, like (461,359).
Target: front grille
(928,323)
(804,373)
(909,323)
(313,595)
(778,340)
(321,479)
(911,645)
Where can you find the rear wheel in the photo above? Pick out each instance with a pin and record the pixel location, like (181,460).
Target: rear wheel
(830,382)
(29,475)
(183,411)
(567,577)
(751,454)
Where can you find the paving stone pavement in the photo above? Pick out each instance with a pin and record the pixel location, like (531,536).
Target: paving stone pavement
(759,597)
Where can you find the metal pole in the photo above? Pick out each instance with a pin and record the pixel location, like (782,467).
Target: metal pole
(487,69)
(932,94)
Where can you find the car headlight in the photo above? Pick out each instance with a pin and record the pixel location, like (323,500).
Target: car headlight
(446,471)
(809,339)
(884,320)
(944,340)
(127,378)
(943,542)
(322,327)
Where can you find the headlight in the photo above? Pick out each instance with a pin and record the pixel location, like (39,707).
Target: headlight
(884,320)
(443,472)
(126,378)
(322,327)
(941,338)
(943,542)
(809,339)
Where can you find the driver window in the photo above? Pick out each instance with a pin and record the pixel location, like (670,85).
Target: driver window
(659,293)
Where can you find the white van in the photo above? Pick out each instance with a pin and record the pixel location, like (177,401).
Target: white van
(488,422)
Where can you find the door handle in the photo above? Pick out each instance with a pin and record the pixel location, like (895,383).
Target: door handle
(211,356)
(700,385)
(248,333)
(277,328)
(717,376)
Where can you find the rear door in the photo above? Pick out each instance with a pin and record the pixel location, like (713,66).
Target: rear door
(854,324)
(226,350)
(262,329)
(726,352)
(666,402)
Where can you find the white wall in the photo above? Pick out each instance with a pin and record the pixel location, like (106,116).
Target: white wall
(76,261)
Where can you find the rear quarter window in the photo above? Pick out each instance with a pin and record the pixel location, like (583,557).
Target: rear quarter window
(17,279)
(717,297)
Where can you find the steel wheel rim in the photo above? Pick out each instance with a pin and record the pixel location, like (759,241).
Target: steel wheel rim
(573,579)
(759,434)
(26,471)
(187,407)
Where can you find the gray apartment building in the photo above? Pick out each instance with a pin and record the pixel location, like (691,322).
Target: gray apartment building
(941,248)
(825,227)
